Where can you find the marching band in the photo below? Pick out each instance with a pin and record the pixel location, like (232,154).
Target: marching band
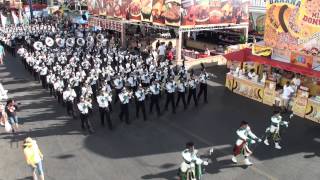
(78,62)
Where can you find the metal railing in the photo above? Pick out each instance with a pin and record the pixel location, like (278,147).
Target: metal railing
(257,4)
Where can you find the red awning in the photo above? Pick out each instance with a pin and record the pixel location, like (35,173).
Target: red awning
(246,55)
(236,56)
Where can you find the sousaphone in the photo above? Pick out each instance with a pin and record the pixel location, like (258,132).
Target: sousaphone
(81,42)
(60,42)
(37,45)
(90,40)
(100,37)
(49,41)
(70,42)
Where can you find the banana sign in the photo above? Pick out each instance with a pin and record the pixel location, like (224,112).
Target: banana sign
(260,50)
(293,25)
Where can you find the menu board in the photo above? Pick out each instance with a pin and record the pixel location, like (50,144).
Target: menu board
(135,10)
(94,6)
(158,9)
(117,9)
(211,12)
(293,25)
(172,13)
(146,10)
(109,8)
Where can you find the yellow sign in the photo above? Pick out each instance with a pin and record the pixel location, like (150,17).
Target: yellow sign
(293,25)
(260,50)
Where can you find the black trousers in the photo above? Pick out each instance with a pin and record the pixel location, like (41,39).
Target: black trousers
(203,89)
(155,101)
(141,105)
(85,122)
(43,81)
(193,93)
(181,95)
(105,112)
(59,95)
(170,98)
(52,92)
(36,75)
(70,109)
(77,89)
(94,90)
(124,111)
(118,91)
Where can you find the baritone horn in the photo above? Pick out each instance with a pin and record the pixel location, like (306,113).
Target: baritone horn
(81,42)
(49,41)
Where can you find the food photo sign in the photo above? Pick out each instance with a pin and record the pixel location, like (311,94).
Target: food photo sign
(293,25)
(211,12)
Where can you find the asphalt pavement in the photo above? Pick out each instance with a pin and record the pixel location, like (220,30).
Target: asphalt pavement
(151,149)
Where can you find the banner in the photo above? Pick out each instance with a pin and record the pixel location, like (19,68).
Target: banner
(260,50)
(172,14)
(135,10)
(146,10)
(94,6)
(301,59)
(211,12)
(158,8)
(293,25)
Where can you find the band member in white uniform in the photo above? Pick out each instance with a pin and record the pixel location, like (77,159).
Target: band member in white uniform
(118,85)
(68,96)
(84,106)
(124,98)
(104,99)
(181,88)
(155,95)
(170,89)
(43,73)
(140,99)
(245,137)
(203,85)
(273,132)
(192,84)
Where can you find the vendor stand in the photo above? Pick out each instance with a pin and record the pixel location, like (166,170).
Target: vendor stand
(305,102)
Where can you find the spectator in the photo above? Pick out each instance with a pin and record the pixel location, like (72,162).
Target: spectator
(11,109)
(34,158)
(2,53)
(157,44)
(161,52)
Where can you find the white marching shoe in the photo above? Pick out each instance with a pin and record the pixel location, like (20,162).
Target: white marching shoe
(247,162)
(266,142)
(234,159)
(277,146)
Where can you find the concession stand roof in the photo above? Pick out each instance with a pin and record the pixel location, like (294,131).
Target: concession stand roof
(246,55)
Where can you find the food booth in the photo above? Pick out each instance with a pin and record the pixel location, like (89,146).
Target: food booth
(290,52)
(265,87)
